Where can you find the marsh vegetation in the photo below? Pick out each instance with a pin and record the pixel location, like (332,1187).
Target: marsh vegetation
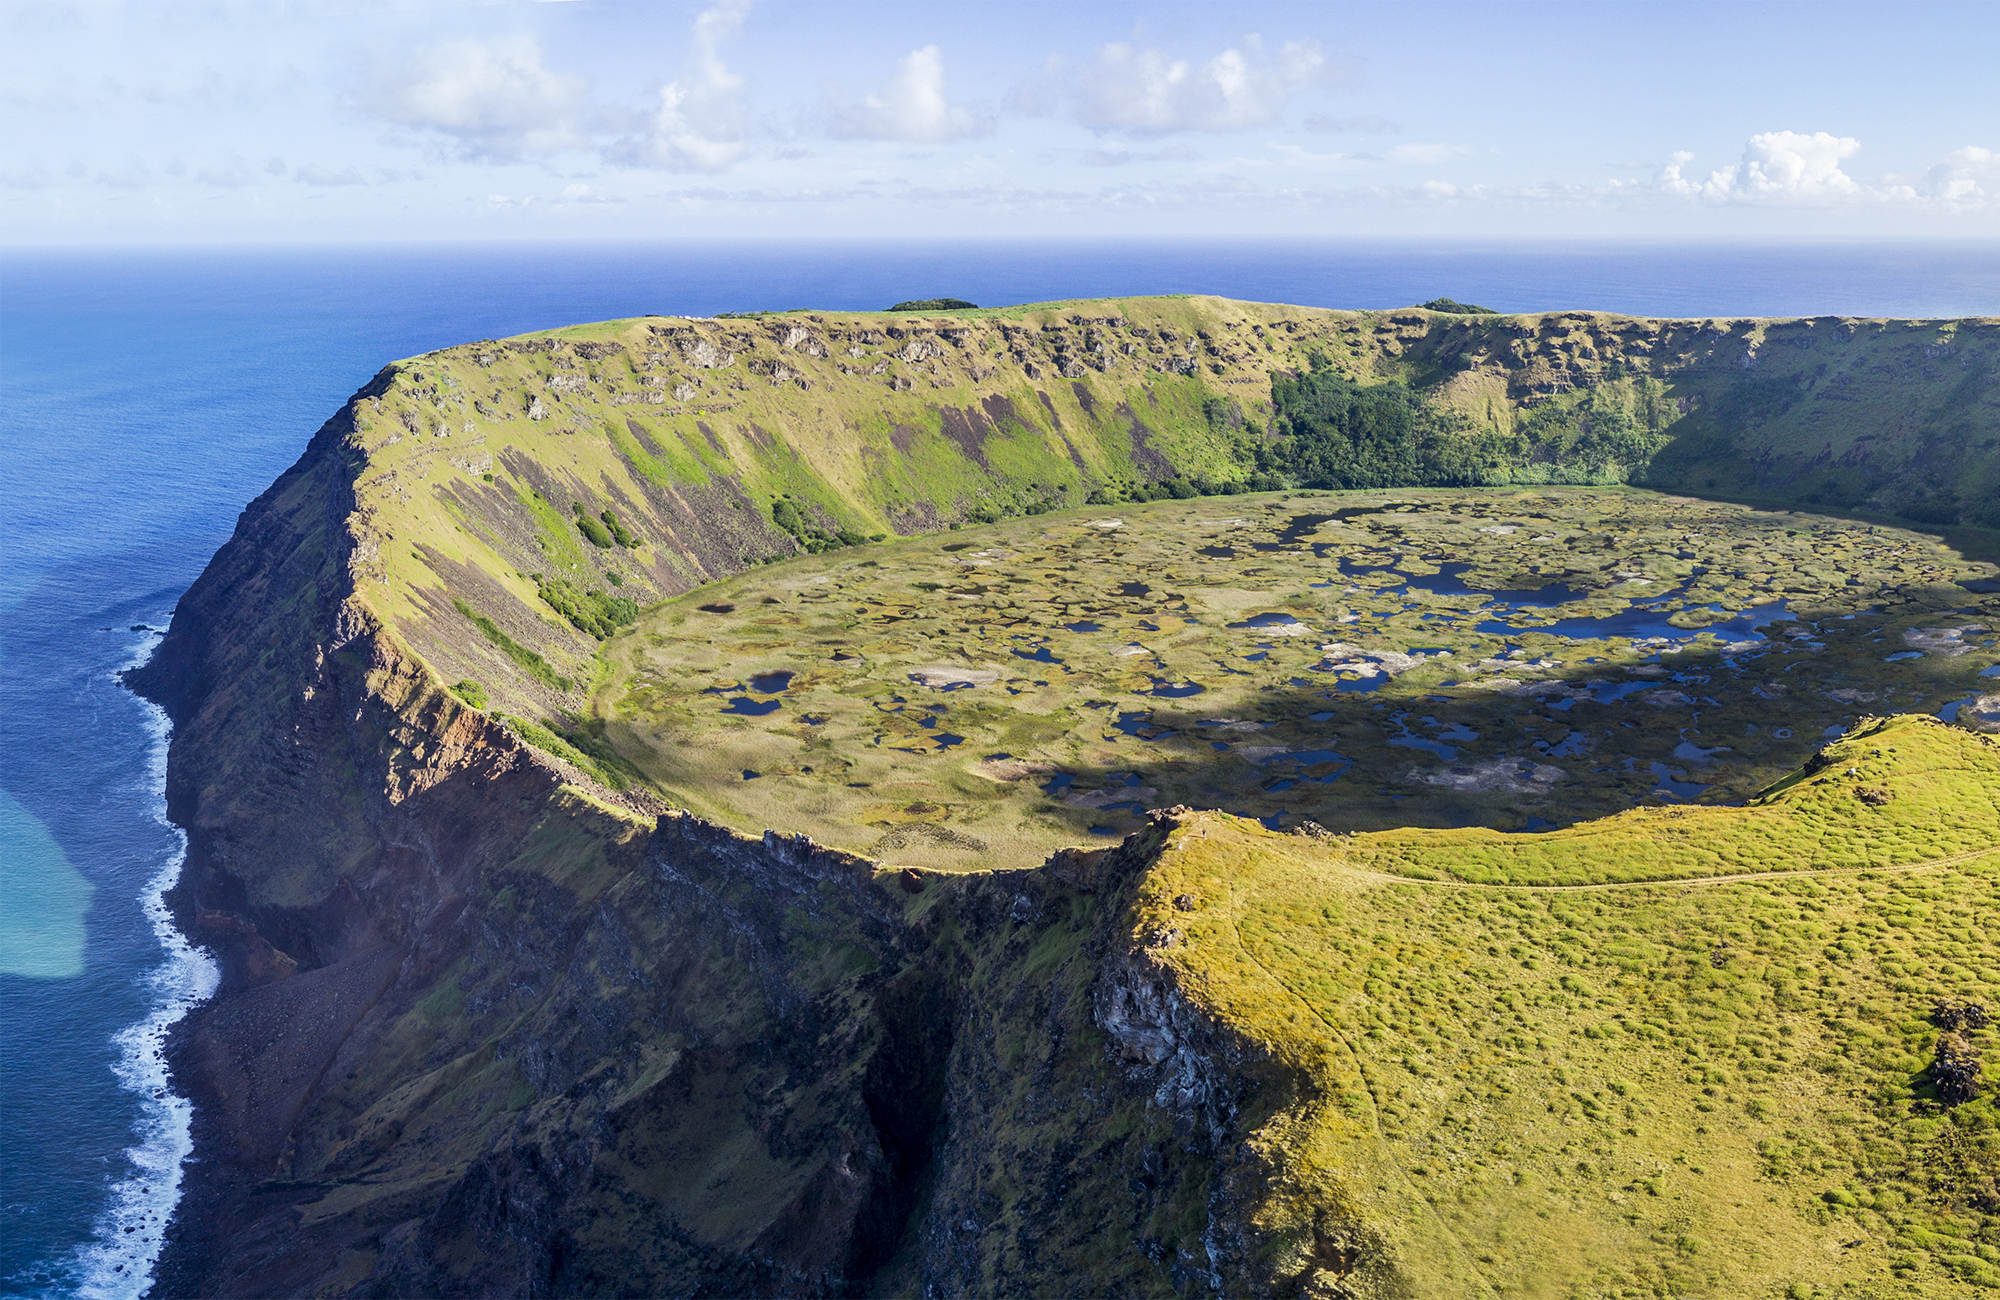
(1513,660)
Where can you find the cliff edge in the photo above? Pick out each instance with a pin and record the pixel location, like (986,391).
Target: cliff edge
(487,1026)
(495,1020)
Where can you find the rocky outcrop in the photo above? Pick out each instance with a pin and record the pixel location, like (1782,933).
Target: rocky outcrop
(489,1027)
(483,1030)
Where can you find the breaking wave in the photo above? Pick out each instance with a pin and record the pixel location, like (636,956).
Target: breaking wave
(118,1263)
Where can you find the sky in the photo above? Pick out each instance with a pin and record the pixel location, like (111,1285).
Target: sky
(207,121)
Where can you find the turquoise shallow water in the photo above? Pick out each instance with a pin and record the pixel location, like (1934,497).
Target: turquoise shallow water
(41,928)
(149,395)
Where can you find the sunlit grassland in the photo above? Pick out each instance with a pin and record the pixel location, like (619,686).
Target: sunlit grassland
(1216,654)
(1895,792)
(1667,1088)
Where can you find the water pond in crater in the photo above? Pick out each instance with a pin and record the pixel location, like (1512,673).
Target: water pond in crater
(1475,657)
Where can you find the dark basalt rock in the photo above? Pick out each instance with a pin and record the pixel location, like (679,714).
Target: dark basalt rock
(1955,1014)
(1955,1071)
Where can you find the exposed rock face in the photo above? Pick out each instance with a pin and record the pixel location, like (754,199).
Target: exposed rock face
(487,1028)
(484,1033)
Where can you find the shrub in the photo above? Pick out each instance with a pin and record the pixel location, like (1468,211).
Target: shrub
(1457,308)
(593,531)
(1345,435)
(471,692)
(811,536)
(530,662)
(619,532)
(591,612)
(549,742)
(935,304)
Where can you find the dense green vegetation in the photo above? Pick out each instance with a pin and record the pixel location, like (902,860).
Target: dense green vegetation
(1334,432)
(1607,435)
(935,304)
(812,537)
(619,532)
(471,692)
(593,530)
(591,611)
(1457,308)
(527,660)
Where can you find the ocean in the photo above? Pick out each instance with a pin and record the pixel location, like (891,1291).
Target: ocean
(147,395)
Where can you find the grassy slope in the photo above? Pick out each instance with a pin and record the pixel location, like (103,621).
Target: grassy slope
(857,452)
(694,476)
(1638,1089)
(1893,416)
(1481,1052)
(1943,799)
(908,424)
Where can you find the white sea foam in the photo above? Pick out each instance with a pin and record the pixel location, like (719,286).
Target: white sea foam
(119,1263)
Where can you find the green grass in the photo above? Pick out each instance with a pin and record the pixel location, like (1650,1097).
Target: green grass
(593,612)
(1658,1088)
(528,660)
(607,771)
(1071,627)
(1938,788)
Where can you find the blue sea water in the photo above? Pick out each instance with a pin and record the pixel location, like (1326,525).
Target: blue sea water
(147,395)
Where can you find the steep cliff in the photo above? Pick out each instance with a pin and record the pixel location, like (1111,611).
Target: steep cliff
(497,1021)
(514,500)
(483,1031)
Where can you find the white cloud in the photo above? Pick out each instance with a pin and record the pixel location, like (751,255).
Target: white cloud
(699,125)
(1671,178)
(1147,92)
(494,99)
(911,107)
(1778,167)
(1955,179)
(1786,167)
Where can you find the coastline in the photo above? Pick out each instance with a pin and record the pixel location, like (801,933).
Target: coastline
(326,785)
(121,1261)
